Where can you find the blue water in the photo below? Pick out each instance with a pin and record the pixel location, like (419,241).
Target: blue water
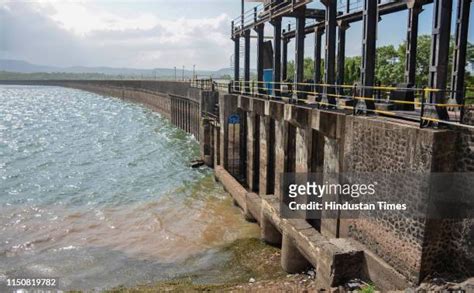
(98,192)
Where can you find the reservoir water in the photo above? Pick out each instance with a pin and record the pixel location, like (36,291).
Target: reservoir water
(98,192)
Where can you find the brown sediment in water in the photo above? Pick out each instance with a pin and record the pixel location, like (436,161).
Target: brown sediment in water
(255,259)
(162,229)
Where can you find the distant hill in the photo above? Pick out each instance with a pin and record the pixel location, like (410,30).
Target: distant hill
(20,66)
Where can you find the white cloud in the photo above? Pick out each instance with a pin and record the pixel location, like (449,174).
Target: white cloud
(66,33)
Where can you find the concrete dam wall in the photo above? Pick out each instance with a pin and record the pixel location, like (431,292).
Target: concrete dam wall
(252,142)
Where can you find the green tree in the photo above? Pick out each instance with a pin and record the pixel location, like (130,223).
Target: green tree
(352,69)
(388,67)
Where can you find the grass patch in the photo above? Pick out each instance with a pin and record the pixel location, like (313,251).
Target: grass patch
(368,288)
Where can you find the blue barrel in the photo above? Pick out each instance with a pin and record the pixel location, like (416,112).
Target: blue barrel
(268,79)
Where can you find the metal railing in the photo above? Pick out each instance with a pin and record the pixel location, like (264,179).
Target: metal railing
(203,84)
(349,98)
(263,12)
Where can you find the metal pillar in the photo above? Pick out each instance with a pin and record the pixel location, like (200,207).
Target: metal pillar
(284,59)
(440,38)
(276,56)
(330,49)
(341,51)
(414,10)
(247,60)
(299,49)
(459,53)
(236,61)
(367,70)
(259,30)
(317,57)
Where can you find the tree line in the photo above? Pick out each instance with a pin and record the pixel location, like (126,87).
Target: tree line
(390,64)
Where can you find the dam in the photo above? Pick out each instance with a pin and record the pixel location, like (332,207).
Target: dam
(260,132)
(250,152)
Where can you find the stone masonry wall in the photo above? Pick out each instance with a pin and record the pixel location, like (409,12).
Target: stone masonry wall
(375,145)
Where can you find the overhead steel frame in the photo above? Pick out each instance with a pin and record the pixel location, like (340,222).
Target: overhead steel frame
(367,70)
(439,57)
(459,52)
(369,15)
(414,10)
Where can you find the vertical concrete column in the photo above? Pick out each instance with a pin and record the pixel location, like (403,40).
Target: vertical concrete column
(172,112)
(303,161)
(217,146)
(292,261)
(332,165)
(206,142)
(198,118)
(280,154)
(303,150)
(227,107)
(195,118)
(243,145)
(181,111)
(268,232)
(186,116)
(330,49)
(190,117)
(264,154)
(252,153)
(369,37)
(414,10)
(459,52)
(178,111)
(175,112)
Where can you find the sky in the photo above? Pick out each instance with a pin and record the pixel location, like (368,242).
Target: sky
(147,33)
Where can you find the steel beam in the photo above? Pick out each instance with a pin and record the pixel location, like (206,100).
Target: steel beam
(299,49)
(259,30)
(440,38)
(341,53)
(384,8)
(284,59)
(330,49)
(369,36)
(276,56)
(317,57)
(459,53)
(414,10)
(247,60)
(236,62)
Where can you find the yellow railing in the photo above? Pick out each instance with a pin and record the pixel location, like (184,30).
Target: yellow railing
(301,91)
